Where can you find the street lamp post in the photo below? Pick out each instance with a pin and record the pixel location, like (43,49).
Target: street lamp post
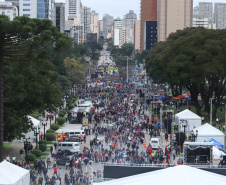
(194,136)
(44,125)
(13,158)
(36,133)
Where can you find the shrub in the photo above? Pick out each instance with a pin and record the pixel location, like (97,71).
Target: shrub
(42,142)
(43,147)
(37,152)
(30,157)
(54,127)
(60,120)
(63,111)
(70,106)
(50,131)
(61,114)
(50,136)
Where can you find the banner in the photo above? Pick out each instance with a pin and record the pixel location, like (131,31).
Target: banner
(85,121)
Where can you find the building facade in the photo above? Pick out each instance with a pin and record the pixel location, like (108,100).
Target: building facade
(136,35)
(28,8)
(107,25)
(77,33)
(91,37)
(150,34)
(86,20)
(220,15)
(59,20)
(129,19)
(206,10)
(173,15)
(72,9)
(8,9)
(148,13)
(200,21)
(94,23)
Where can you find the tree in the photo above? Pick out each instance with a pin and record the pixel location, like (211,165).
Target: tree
(187,58)
(28,76)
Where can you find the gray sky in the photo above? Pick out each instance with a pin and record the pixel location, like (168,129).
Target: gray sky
(118,8)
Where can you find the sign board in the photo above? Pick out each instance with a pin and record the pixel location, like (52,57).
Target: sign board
(85,121)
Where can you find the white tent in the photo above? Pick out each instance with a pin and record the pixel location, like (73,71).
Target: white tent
(217,154)
(13,175)
(177,175)
(188,118)
(36,123)
(206,132)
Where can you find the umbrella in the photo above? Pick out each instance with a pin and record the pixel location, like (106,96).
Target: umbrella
(181,97)
(140,84)
(132,95)
(162,97)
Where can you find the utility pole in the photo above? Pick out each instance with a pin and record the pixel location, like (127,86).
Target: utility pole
(127,71)
(211,99)
(225,128)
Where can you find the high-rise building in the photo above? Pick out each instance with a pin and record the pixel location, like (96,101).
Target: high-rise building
(101,28)
(117,25)
(72,9)
(37,9)
(107,25)
(220,15)
(173,15)
(86,19)
(136,35)
(59,20)
(148,13)
(7,8)
(206,10)
(129,19)
(94,23)
(196,10)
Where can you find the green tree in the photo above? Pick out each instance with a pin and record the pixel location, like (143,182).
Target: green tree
(29,78)
(193,58)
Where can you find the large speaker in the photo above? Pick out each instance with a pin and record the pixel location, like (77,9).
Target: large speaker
(167,124)
(79,117)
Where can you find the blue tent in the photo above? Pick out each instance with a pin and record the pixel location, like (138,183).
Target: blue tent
(216,143)
(162,98)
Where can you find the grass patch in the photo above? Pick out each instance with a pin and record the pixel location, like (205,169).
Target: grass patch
(47,150)
(45,153)
(6,145)
(50,143)
(43,158)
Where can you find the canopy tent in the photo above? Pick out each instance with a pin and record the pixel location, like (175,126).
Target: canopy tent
(216,143)
(13,175)
(177,175)
(188,118)
(217,154)
(206,132)
(36,123)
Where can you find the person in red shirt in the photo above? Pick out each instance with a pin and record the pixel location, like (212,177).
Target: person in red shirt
(55,170)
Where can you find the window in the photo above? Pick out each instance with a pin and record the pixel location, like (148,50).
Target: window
(26,10)
(26,4)
(69,145)
(27,15)
(64,144)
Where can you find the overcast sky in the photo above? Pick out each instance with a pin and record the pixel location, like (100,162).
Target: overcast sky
(118,8)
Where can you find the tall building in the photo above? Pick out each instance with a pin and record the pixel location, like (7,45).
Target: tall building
(173,15)
(220,15)
(37,9)
(196,10)
(206,10)
(107,25)
(117,25)
(94,23)
(148,13)
(72,9)
(101,28)
(86,19)
(59,20)
(7,8)
(129,19)
(136,35)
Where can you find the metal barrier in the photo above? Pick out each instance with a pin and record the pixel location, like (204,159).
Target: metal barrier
(136,165)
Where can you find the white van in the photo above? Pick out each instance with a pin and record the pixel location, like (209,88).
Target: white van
(75,133)
(154,142)
(72,146)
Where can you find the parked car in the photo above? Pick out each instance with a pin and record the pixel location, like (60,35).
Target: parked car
(63,160)
(74,138)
